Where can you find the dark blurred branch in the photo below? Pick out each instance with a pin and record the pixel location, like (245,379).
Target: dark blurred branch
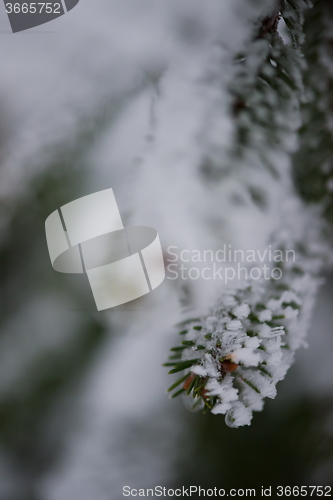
(271,21)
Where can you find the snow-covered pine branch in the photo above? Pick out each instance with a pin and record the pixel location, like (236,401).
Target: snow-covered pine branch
(231,359)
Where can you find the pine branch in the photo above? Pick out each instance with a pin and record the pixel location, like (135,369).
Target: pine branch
(233,358)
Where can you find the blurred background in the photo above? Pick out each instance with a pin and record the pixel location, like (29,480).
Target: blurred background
(83,404)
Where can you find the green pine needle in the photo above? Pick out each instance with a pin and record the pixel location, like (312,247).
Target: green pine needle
(183,365)
(179,381)
(178,393)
